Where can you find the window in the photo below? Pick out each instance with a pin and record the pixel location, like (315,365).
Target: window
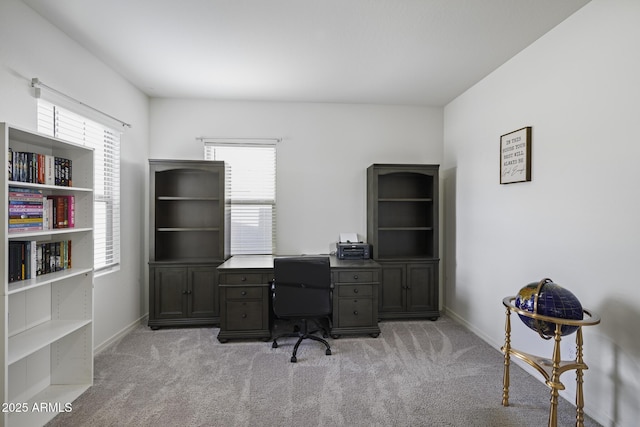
(63,124)
(251,190)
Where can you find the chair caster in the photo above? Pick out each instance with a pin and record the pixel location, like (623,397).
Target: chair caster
(293,359)
(274,345)
(328,352)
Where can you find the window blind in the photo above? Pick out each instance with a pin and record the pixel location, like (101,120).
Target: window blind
(251,191)
(64,124)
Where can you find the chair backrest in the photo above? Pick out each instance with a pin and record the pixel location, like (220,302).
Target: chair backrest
(302,286)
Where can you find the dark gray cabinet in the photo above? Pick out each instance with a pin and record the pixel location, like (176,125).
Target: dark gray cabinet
(244,303)
(184,294)
(188,239)
(402,228)
(355,298)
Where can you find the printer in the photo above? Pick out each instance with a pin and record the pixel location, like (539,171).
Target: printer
(349,247)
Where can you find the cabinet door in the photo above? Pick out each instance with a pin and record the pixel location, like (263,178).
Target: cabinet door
(392,293)
(170,286)
(422,287)
(203,292)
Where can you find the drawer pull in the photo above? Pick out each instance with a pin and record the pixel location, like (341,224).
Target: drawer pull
(243,293)
(244,279)
(355,291)
(355,312)
(355,276)
(244,315)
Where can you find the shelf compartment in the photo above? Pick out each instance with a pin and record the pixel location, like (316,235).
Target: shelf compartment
(187,244)
(405,213)
(80,156)
(30,341)
(187,183)
(67,361)
(398,243)
(405,185)
(187,213)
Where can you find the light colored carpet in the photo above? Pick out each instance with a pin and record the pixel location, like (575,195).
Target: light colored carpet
(416,373)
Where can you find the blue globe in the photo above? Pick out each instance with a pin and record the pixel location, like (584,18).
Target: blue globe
(552,300)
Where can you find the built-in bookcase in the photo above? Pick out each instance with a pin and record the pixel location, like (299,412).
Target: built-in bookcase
(402,228)
(188,239)
(47,319)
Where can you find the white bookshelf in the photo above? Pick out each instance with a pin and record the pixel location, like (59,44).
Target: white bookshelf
(47,321)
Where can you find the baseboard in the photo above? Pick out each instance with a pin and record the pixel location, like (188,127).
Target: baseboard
(120,334)
(473,329)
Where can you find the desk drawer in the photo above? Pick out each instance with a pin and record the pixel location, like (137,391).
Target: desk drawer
(244,315)
(242,292)
(356,312)
(355,290)
(354,276)
(240,279)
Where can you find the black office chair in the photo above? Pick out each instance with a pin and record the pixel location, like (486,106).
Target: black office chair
(302,291)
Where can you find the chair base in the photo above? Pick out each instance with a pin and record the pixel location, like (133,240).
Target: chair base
(302,335)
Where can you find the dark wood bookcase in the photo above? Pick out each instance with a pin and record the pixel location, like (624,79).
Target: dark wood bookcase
(402,228)
(188,239)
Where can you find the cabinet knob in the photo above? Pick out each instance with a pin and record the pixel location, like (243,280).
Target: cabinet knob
(355,291)
(244,279)
(243,293)
(244,315)
(355,312)
(355,277)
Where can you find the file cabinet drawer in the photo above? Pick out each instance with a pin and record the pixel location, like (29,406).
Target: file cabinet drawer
(356,312)
(355,291)
(354,276)
(241,279)
(243,292)
(244,315)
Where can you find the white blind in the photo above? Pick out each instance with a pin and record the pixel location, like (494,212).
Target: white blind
(251,179)
(60,123)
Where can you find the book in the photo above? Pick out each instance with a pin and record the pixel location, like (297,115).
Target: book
(49,170)
(25,209)
(30,259)
(39,168)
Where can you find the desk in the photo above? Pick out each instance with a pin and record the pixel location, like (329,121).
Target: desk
(245,303)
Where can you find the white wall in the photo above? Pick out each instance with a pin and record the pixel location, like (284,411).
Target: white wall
(322,160)
(577,220)
(32,47)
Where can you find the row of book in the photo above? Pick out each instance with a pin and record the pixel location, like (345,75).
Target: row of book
(30,210)
(29,259)
(38,168)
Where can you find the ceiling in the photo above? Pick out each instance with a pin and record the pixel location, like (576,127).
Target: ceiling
(418,52)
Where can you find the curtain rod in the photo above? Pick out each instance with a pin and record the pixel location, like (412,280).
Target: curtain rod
(249,141)
(37,84)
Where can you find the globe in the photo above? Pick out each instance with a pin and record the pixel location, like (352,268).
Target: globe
(548,299)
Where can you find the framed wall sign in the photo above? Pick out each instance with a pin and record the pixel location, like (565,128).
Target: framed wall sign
(515,156)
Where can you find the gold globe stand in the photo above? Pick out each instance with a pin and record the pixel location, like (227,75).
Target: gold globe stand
(551,369)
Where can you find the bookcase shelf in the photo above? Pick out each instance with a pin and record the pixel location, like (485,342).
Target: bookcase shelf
(47,320)
(33,339)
